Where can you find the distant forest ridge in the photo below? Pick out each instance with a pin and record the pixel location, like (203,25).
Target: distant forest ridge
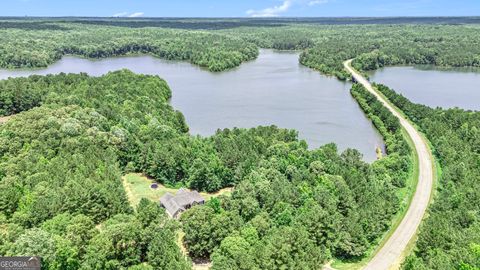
(225,23)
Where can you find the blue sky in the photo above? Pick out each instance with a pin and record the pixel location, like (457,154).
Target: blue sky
(240,8)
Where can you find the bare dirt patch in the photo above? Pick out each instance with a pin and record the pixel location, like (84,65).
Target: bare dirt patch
(4,119)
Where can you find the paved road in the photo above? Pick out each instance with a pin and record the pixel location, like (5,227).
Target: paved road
(390,256)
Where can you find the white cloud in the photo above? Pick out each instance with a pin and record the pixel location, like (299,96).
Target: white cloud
(284,7)
(272,11)
(136,14)
(317,2)
(121,14)
(130,15)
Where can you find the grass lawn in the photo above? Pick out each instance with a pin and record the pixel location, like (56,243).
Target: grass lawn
(137,186)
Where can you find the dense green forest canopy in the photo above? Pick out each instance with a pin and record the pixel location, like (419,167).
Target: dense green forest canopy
(220,44)
(286,204)
(72,138)
(30,45)
(450,237)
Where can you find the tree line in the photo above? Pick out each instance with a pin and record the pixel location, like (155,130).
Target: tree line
(310,206)
(30,47)
(218,46)
(450,237)
(326,47)
(73,137)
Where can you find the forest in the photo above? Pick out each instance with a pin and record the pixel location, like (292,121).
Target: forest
(450,237)
(73,137)
(22,45)
(224,44)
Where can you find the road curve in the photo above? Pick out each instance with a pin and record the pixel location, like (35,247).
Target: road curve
(391,255)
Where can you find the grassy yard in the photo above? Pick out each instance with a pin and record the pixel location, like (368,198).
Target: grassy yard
(137,187)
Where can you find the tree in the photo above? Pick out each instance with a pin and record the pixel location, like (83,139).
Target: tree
(204,230)
(197,228)
(234,253)
(117,245)
(206,175)
(35,242)
(289,248)
(164,253)
(148,212)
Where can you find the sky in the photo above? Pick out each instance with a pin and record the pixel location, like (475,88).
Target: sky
(240,8)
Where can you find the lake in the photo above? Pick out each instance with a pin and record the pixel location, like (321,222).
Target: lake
(273,89)
(433,86)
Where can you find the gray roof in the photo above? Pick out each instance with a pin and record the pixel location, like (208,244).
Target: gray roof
(170,204)
(181,191)
(183,199)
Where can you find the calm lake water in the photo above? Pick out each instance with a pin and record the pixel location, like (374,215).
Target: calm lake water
(273,89)
(432,86)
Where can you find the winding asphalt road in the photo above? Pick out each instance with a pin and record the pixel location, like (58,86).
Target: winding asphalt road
(391,255)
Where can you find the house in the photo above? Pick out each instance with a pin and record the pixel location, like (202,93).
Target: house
(183,200)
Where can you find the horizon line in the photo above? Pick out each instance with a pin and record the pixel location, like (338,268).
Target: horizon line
(241,17)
